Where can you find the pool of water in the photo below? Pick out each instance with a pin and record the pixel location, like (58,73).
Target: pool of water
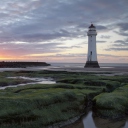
(36,81)
(91,121)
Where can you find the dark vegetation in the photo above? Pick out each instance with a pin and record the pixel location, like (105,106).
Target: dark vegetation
(41,105)
(112,105)
(10,81)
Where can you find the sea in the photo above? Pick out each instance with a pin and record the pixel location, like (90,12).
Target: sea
(81,65)
(68,65)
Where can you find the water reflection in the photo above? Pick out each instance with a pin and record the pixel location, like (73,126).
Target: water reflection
(88,121)
(36,81)
(91,121)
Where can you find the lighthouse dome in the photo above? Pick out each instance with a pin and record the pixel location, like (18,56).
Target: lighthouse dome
(92,30)
(92,26)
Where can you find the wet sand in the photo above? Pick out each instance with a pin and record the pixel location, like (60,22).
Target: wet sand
(103,70)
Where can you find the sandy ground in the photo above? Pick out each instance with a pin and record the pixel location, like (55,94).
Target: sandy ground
(108,71)
(103,71)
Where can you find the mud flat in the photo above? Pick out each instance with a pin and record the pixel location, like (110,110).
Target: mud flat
(103,70)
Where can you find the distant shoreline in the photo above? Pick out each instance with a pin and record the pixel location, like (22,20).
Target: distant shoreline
(103,70)
(22,64)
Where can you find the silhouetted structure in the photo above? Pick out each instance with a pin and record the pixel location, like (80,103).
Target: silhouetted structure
(21,64)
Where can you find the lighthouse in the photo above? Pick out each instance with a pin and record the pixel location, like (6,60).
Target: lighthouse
(92,54)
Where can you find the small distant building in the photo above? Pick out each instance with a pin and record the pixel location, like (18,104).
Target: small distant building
(92,54)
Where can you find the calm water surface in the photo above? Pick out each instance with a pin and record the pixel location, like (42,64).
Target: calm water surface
(36,81)
(66,65)
(90,121)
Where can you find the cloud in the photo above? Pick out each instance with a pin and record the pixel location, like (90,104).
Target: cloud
(101,27)
(119,41)
(27,48)
(38,17)
(123,26)
(41,22)
(122,33)
(122,42)
(110,55)
(123,29)
(100,41)
(105,36)
(83,25)
(65,47)
(117,49)
(20,35)
(71,55)
(119,45)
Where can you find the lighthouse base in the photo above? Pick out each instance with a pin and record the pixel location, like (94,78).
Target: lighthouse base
(92,64)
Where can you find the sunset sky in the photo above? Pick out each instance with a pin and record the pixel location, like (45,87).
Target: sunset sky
(56,30)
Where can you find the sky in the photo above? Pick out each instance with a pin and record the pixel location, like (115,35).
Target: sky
(56,30)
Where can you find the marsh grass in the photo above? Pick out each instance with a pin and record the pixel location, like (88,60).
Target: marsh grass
(41,105)
(9,81)
(114,104)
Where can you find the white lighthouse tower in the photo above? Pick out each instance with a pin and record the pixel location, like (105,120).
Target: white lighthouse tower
(92,54)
